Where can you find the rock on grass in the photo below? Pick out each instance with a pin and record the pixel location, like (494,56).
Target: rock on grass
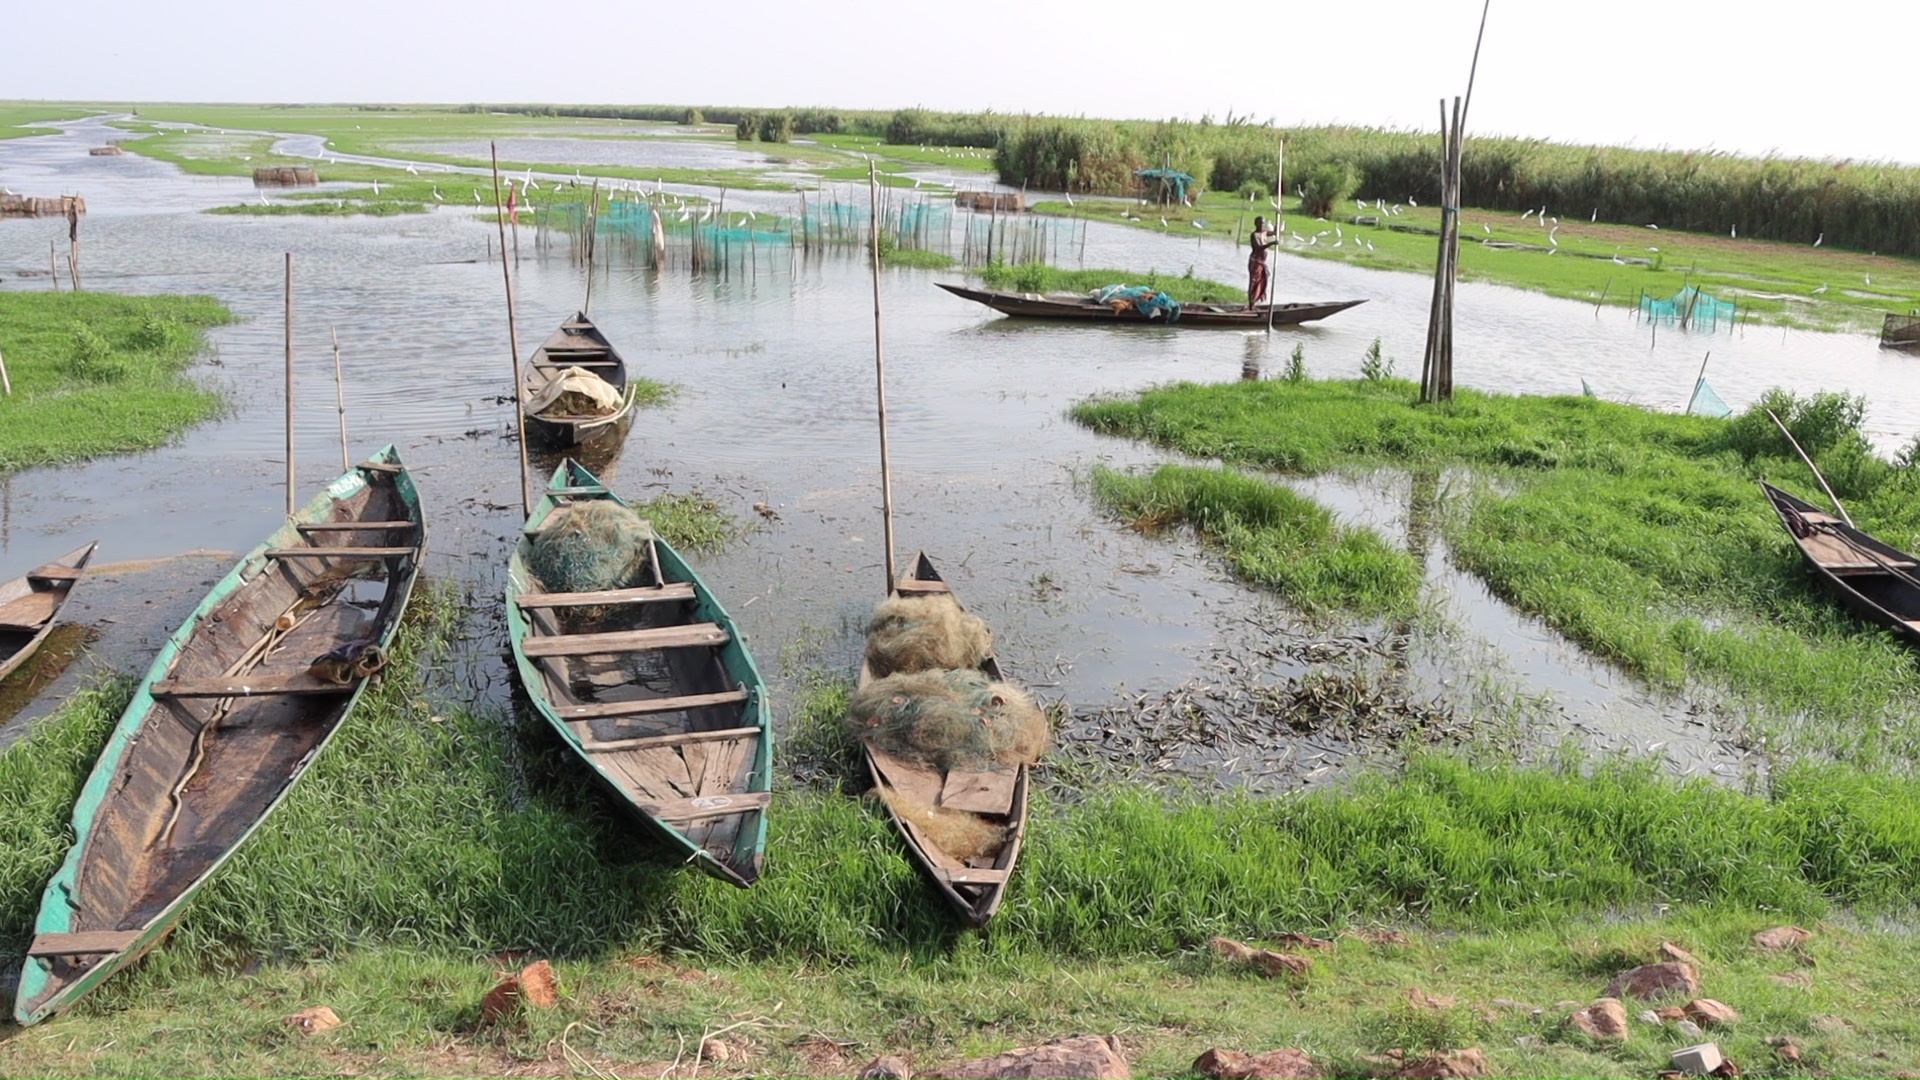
(1082,1057)
(1288,1064)
(1655,980)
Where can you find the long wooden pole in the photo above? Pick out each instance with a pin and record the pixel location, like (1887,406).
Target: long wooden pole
(513,338)
(880,370)
(289,384)
(4,380)
(1795,443)
(340,401)
(1279,198)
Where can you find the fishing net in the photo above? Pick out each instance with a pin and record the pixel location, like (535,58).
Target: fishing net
(965,835)
(925,633)
(576,392)
(1690,307)
(1707,403)
(591,545)
(949,720)
(1149,302)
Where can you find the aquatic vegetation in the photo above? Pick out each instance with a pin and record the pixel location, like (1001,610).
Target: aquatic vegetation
(1041,278)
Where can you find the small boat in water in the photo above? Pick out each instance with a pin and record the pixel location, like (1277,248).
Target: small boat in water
(998,796)
(228,718)
(30,603)
(1087,309)
(1878,581)
(652,686)
(575,386)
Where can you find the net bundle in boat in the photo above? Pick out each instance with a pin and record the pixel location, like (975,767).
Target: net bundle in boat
(591,545)
(925,633)
(949,720)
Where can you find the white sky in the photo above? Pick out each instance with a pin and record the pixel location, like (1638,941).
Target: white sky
(1817,79)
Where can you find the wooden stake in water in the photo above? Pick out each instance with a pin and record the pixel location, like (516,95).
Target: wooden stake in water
(513,336)
(1795,443)
(289,384)
(880,370)
(340,401)
(1273,276)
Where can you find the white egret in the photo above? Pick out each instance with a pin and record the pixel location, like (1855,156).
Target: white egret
(1485,228)
(1201,225)
(1596,214)
(1411,202)
(1822,289)
(263,198)
(476,197)
(1069,198)
(1818,239)
(437,197)
(413,170)
(1526,215)
(1651,225)
(916,183)
(1733,232)
(376,187)
(246,157)
(1869,278)
(1163,223)
(1369,245)
(1337,243)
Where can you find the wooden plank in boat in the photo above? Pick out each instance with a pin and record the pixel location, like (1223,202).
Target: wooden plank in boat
(910,586)
(706,806)
(54,572)
(339,552)
(979,792)
(971,875)
(720,762)
(83,943)
(698,752)
(246,686)
(679,739)
(663,761)
(650,594)
(31,612)
(350,526)
(692,635)
(921,785)
(380,466)
(1869,569)
(605,710)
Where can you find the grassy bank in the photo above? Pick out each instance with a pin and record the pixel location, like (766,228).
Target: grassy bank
(1271,536)
(16,119)
(476,845)
(1640,535)
(1039,278)
(96,374)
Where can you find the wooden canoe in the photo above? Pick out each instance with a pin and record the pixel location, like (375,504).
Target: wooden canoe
(577,344)
(654,689)
(225,722)
(30,603)
(1879,582)
(974,891)
(1083,309)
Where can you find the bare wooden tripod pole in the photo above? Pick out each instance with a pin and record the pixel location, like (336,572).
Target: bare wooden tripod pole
(1273,277)
(289,384)
(880,370)
(340,401)
(513,338)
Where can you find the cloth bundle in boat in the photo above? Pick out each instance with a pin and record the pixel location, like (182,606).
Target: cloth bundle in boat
(925,633)
(591,545)
(1149,302)
(576,392)
(949,720)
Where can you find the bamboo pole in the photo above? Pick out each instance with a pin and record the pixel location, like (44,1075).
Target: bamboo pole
(1273,276)
(340,400)
(53,265)
(5,381)
(593,230)
(513,337)
(880,371)
(289,384)
(1795,443)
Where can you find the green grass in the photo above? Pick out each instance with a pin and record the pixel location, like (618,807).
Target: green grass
(16,118)
(96,374)
(1038,278)
(1271,536)
(1640,535)
(692,521)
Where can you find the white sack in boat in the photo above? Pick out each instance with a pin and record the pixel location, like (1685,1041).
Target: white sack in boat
(576,392)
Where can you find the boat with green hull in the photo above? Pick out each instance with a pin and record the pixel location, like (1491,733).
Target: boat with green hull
(232,712)
(651,685)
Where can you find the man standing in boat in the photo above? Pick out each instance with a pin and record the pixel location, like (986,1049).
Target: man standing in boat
(1261,240)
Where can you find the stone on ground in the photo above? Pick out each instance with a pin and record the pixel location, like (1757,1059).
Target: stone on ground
(1699,1060)
(1082,1057)
(887,1067)
(1655,980)
(1710,1013)
(532,985)
(1781,937)
(1267,962)
(1469,1064)
(1605,1020)
(1288,1064)
(1670,951)
(314,1020)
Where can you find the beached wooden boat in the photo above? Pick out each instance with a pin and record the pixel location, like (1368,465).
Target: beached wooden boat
(1879,582)
(577,344)
(1085,309)
(235,707)
(653,687)
(30,603)
(974,891)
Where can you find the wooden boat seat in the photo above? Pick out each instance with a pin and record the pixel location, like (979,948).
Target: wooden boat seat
(351,526)
(31,611)
(979,792)
(690,636)
(913,586)
(575,363)
(83,943)
(246,686)
(609,710)
(646,594)
(680,738)
(1854,569)
(970,875)
(53,573)
(380,466)
(706,806)
(339,552)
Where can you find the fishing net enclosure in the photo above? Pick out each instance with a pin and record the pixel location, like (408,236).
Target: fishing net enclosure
(925,633)
(592,545)
(1691,307)
(949,720)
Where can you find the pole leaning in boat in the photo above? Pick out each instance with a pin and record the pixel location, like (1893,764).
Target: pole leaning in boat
(880,368)
(513,339)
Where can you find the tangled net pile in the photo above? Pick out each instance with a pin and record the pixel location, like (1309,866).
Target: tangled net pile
(592,545)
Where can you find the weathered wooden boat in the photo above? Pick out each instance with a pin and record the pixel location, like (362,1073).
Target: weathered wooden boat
(999,795)
(30,603)
(233,710)
(1878,581)
(577,344)
(653,687)
(1086,309)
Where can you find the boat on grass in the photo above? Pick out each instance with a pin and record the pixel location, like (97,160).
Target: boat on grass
(1087,309)
(651,685)
(1878,581)
(232,712)
(31,603)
